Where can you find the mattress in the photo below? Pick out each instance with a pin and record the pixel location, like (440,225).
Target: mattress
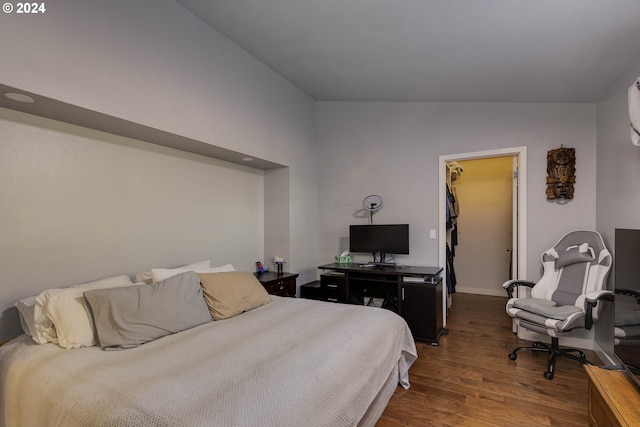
(292,362)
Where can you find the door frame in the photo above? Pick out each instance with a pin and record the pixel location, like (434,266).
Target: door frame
(519,207)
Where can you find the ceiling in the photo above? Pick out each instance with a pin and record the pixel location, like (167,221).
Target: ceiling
(436,50)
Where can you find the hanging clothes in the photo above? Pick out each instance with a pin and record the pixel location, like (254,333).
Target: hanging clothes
(452,218)
(450,272)
(455,170)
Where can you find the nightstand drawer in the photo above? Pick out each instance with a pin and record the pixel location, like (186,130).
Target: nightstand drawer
(284,287)
(283,284)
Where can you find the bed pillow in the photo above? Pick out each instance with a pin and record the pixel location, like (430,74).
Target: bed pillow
(147,276)
(44,329)
(26,308)
(70,316)
(231,293)
(131,316)
(574,255)
(164,273)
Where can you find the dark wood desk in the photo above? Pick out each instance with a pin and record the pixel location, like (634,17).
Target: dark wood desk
(415,293)
(406,270)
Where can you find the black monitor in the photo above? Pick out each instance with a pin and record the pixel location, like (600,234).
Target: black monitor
(379,238)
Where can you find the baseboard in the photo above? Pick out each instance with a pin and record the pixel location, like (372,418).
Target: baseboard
(479,291)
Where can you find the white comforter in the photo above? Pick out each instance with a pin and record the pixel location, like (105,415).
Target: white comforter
(292,362)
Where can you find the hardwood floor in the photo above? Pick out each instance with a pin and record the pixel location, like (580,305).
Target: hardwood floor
(468,380)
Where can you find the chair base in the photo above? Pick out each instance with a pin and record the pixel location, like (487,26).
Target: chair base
(553,350)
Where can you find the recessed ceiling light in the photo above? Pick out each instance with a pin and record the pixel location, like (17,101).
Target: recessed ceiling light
(247,159)
(19,97)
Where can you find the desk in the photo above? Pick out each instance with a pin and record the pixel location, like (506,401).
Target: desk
(613,399)
(415,293)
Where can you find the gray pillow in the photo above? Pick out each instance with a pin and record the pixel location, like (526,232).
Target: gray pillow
(130,316)
(573,256)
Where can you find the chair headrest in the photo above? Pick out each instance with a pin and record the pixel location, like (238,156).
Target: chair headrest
(592,240)
(572,255)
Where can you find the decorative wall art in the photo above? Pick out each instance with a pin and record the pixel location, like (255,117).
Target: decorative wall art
(561,170)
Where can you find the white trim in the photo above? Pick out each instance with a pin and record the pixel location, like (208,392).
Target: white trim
(521,153)
(481,291)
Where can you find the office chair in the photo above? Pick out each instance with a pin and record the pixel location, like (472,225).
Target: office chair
(566,297)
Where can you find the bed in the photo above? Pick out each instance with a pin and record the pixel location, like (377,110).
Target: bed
(290,362)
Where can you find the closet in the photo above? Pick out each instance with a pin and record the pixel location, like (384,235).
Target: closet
(479,224)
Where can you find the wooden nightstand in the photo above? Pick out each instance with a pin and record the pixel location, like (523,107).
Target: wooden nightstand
(281,284)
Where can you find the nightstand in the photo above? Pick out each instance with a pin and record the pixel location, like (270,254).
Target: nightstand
(281,284)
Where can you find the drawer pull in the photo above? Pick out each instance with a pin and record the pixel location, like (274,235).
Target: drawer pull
(332,286)
(332,299)
(281,286)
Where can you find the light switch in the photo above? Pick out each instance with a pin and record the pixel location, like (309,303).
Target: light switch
(432,234)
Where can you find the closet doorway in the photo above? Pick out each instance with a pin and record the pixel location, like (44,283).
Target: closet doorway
(490,229)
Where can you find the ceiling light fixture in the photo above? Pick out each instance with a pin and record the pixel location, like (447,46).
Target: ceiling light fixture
(19,97)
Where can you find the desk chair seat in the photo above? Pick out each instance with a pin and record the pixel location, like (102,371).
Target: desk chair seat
(566,297)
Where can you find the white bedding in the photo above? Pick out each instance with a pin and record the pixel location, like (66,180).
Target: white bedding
(292,362)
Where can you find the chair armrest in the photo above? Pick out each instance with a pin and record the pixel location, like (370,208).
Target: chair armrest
(510,285)
(591,302)
(596,296)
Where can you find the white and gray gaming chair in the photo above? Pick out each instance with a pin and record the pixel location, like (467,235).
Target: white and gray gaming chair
(566,297)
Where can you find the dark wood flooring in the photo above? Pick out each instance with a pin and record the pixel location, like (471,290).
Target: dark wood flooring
(468,379)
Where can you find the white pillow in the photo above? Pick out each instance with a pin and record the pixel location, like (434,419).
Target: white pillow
(65,309)
(160,274)
(26,308)
(147,277)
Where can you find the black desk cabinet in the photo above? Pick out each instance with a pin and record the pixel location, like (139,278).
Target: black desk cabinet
(415,293)
(421,308)
(334,287)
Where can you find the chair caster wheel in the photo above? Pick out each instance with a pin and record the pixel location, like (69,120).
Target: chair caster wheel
(513,356)
(548,375)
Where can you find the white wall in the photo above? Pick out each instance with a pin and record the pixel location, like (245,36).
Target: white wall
(392,149)
(618,177)
(79,205)
(618,162)
(153,63)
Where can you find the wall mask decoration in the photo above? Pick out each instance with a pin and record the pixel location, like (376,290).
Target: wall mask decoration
(561,170)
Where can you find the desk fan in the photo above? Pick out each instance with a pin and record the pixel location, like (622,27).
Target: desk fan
(372,204)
